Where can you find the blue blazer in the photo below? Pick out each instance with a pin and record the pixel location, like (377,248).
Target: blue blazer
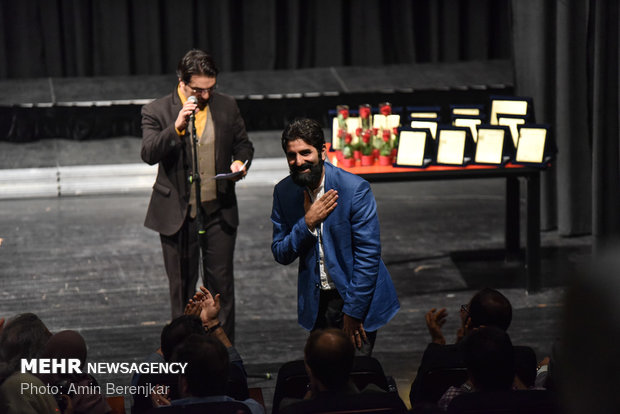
(352,249)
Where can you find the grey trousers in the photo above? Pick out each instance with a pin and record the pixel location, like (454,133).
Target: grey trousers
(181,253)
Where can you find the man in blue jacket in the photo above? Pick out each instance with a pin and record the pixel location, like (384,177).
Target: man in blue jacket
(327,218)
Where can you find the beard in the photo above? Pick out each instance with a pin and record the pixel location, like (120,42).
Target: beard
(202,103)
(310,179)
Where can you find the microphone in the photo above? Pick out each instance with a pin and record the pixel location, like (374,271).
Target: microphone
(194,100)
(191,121)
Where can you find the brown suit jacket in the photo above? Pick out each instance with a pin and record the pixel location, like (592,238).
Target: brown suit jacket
(161,144)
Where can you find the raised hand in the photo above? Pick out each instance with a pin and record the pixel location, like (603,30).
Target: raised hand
(435,319)
(318,211)
(183,118)
(209,306)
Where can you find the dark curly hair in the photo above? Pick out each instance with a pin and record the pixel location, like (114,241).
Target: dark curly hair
(309,130)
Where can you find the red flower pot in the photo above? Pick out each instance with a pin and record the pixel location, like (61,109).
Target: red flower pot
(368,160)
(357,154)
(376,153)
(348,162)
(385,160)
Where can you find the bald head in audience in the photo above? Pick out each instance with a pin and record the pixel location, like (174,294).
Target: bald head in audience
(489,307)
(329,358)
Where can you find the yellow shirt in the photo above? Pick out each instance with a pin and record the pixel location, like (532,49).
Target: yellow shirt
(200,119)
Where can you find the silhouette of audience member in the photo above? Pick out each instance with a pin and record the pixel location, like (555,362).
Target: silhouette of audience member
(172,335)
(202,320)
(328,357)
(70,344)
(488,307)
(489,358)
(206,374)
(24,336)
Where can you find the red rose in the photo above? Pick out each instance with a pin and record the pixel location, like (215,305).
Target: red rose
(386,110)
(395,131)
(386,135)
(348,139)
(358,132)
(341,133)
(366,139)
(344,113)
(366,136)
(364,112)
(375,131)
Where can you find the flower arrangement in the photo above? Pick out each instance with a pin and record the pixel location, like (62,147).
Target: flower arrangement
(342,115)
(388,137)
(385,108)
(365,116)
(386,146)
(347,152)
(369,141)
(366,146)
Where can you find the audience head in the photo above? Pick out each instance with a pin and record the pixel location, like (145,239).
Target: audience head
(489,357)
(207,366)
(176,331)
(329,357)
(489,307)
(64,345)
(24,336)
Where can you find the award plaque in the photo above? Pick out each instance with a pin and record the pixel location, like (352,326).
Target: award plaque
(454,146)
(469,122)
(414,148)
(429,124)
(510,105)
(494,145)
(385,121)
(424,112)
(532,147)
(467,110)
(512,122)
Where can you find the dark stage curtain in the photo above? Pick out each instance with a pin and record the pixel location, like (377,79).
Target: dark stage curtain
(566,57)
(67,38)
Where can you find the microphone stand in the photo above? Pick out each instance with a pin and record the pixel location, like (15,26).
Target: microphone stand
(200,219)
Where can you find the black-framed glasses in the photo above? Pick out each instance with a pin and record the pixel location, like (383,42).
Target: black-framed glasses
(201,91)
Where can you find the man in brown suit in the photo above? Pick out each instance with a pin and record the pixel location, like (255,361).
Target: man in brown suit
(223,147)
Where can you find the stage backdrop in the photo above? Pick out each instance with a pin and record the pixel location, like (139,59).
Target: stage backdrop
(58,38)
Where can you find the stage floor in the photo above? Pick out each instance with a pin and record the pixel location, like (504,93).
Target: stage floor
(87,263)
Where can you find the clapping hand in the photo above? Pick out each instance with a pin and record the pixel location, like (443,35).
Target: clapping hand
(435,319)
(209,306)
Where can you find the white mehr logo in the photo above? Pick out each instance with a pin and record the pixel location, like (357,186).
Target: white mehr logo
(51,366)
